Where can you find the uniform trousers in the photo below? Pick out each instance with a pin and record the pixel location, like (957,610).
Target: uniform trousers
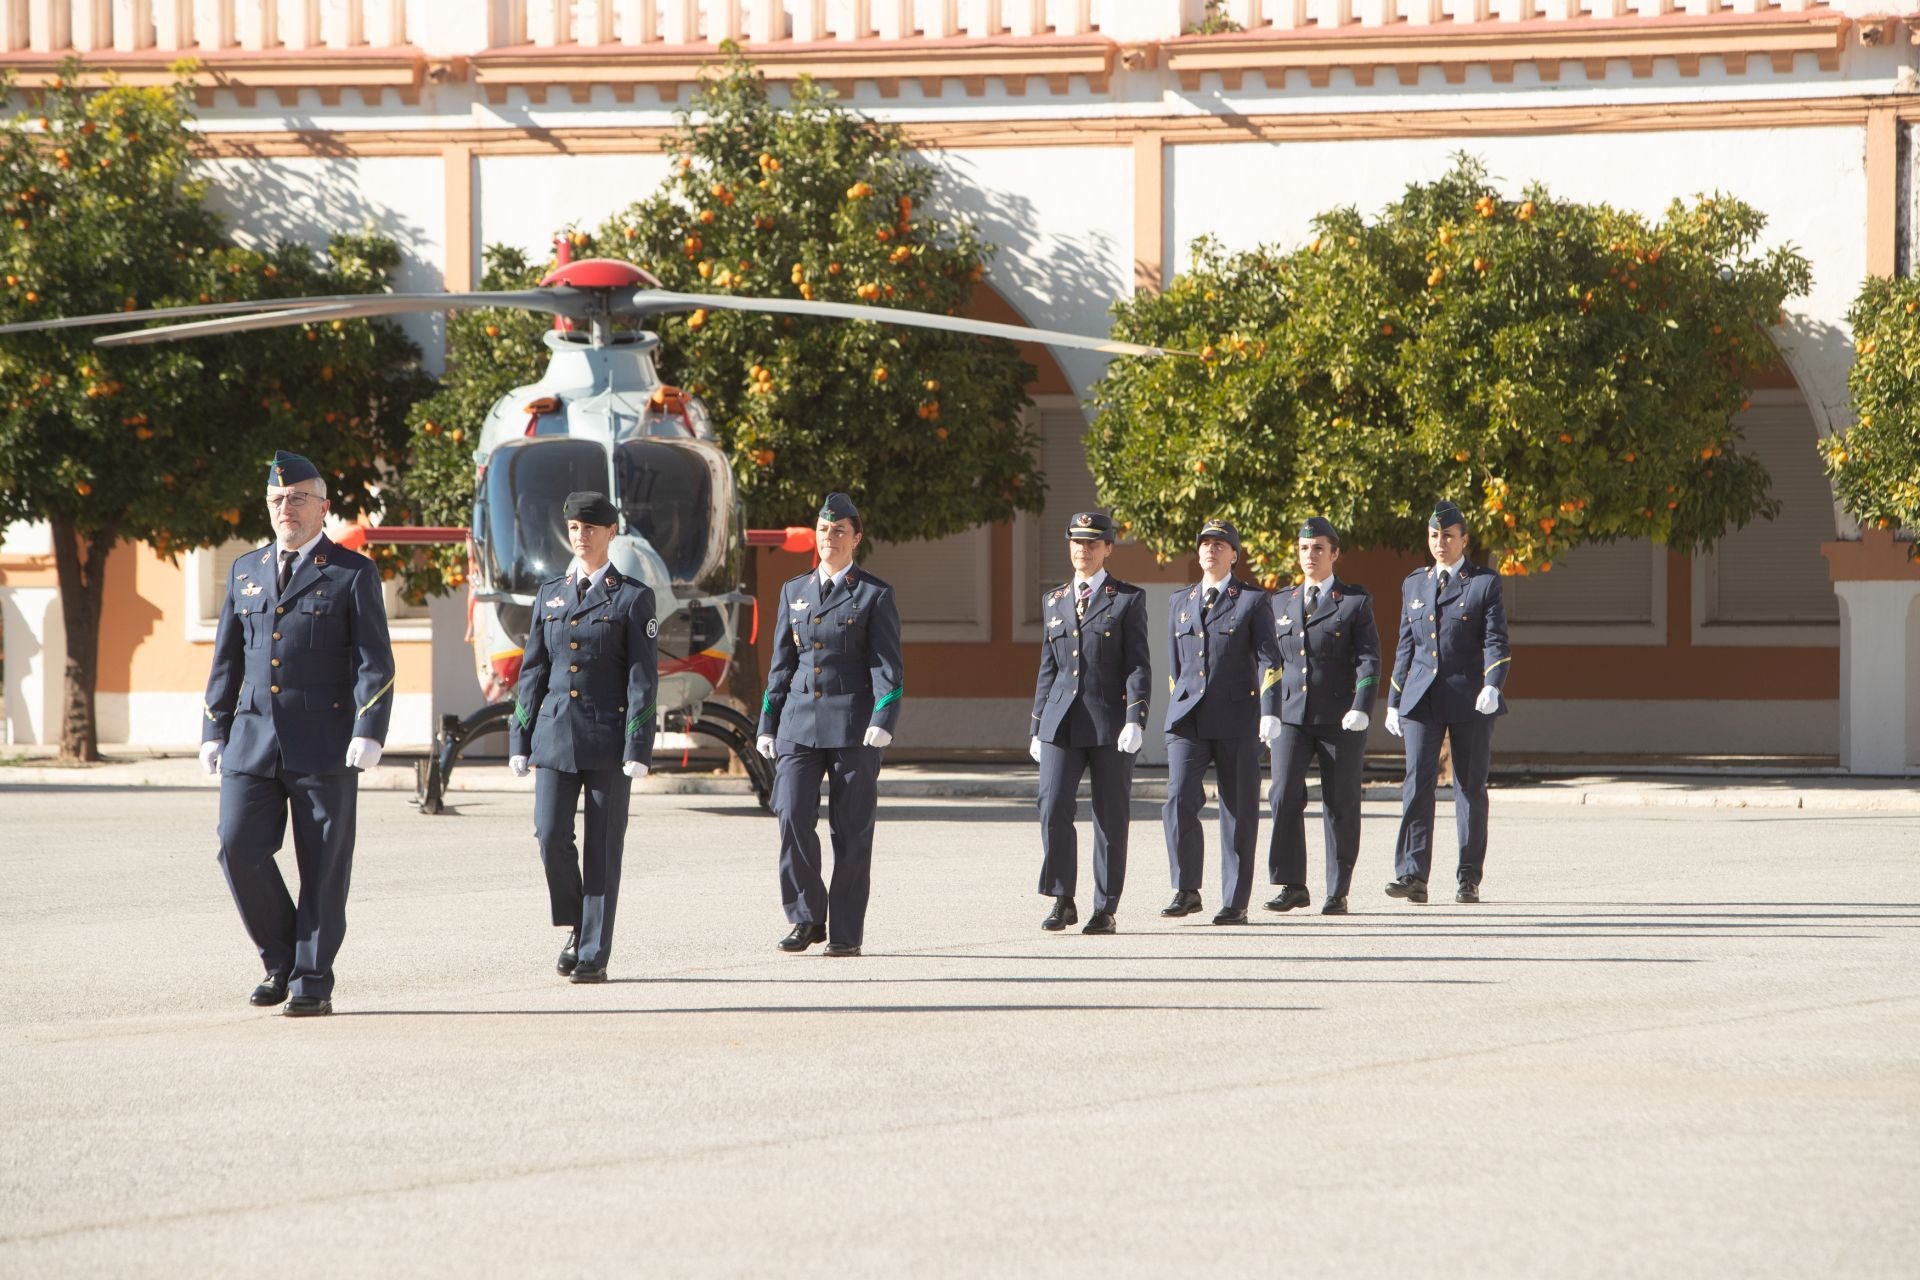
(1472,737)
(852,775)
(1061,769)
(1236,764)
(297,941)
(583,880)
(1341,755)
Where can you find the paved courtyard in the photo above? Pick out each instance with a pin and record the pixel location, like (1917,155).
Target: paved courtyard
(1672,1042)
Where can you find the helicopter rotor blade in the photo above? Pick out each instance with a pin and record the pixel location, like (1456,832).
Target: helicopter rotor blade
(186,313)
(358,306)
(654,301)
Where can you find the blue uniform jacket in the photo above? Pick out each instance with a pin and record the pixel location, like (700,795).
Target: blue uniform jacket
(1332,656)
(1101,660)
(836,666)
(297,676)
(588,680)
(1217,676)
(1450,645)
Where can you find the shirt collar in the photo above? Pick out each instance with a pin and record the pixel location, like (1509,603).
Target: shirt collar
(821,575)
(1451,570)
(304,550)
(1208,584)
(1092,584)
(577,569)
(1323,584)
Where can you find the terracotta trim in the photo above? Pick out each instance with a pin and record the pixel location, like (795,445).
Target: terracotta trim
(1876,556)
(667,69)
(1549,44)
(284,72)
(1787,113)
(1883,194)
(1149,211)
(457,270)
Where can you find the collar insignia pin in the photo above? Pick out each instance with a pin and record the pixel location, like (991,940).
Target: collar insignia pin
(319,559)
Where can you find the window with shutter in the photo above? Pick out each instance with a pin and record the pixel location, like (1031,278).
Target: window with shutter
(1600,584)
(1062,429)
(1772,571)
(942,587)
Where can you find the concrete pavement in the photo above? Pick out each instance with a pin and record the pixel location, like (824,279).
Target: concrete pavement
(1674,1041)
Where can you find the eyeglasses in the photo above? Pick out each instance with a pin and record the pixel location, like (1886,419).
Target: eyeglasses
(292,501)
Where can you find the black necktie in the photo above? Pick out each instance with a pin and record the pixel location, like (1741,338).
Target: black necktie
(1313,599)
(286,569)
(1213,598)
(1444,579)
(1080,600)
(584,585)
(826,588)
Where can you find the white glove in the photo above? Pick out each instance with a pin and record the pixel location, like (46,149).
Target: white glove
(518,764)
(363,753)
(876,737)
(1488,702)
(1393,721)
(634,769)
(1269,728)
(764,745)
(1354,721)
(210,756)
(1033,749)
(1131,736)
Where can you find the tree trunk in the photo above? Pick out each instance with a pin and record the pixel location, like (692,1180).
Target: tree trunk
(80,559)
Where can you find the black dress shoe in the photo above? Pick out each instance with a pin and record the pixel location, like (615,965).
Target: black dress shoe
(1289,897)
(1062,915)
(1334,906)
(271,991)
(841,949)
(1468,893)
(803,936)
(1100,922)
(308,1007)
(1408,887)
(1228,915)
(569,954)
(587,971)
(1185,903)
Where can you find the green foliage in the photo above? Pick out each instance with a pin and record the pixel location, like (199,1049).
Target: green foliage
(1875,463)
(815,201)
(169,443)
(1567,373)
(1214,21)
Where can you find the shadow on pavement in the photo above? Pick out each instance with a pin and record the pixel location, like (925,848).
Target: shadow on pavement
(837,1008)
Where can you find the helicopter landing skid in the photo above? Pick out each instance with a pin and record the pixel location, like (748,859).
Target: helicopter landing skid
(722,723)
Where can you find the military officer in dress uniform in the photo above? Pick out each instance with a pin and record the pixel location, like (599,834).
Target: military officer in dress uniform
(297,704)
(1089,711)
(832,700)
(1323,694)
(1447,674)
(583,715)
(1221,637)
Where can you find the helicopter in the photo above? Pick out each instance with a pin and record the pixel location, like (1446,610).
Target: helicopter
(600,417)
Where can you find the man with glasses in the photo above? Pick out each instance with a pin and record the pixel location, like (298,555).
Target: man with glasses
(832,701)
(297,705)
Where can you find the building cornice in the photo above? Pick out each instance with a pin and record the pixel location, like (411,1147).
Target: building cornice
(369,72)
(1777,37)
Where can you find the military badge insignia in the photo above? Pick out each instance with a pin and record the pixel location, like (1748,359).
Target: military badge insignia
(556,603)
(251,589)
(1183,615)
(1286,620)
(1055,622)
(1416,602)
(799,605)
(653,627)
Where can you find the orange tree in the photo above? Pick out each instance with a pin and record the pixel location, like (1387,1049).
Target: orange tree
(165,444)
(1567,373)
(1875,463)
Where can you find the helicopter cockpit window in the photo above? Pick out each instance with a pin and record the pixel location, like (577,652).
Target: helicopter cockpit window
(526,486)
(667,493)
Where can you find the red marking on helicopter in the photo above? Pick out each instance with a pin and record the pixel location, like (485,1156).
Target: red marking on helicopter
(599,273)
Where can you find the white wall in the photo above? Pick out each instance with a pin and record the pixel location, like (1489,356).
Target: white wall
(524,200)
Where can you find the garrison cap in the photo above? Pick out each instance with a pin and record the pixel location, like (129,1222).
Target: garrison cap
(290,468)
(838,506)
(1319,527)
(1091,526)
(1222,530)
(589,507)
(1444,514)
